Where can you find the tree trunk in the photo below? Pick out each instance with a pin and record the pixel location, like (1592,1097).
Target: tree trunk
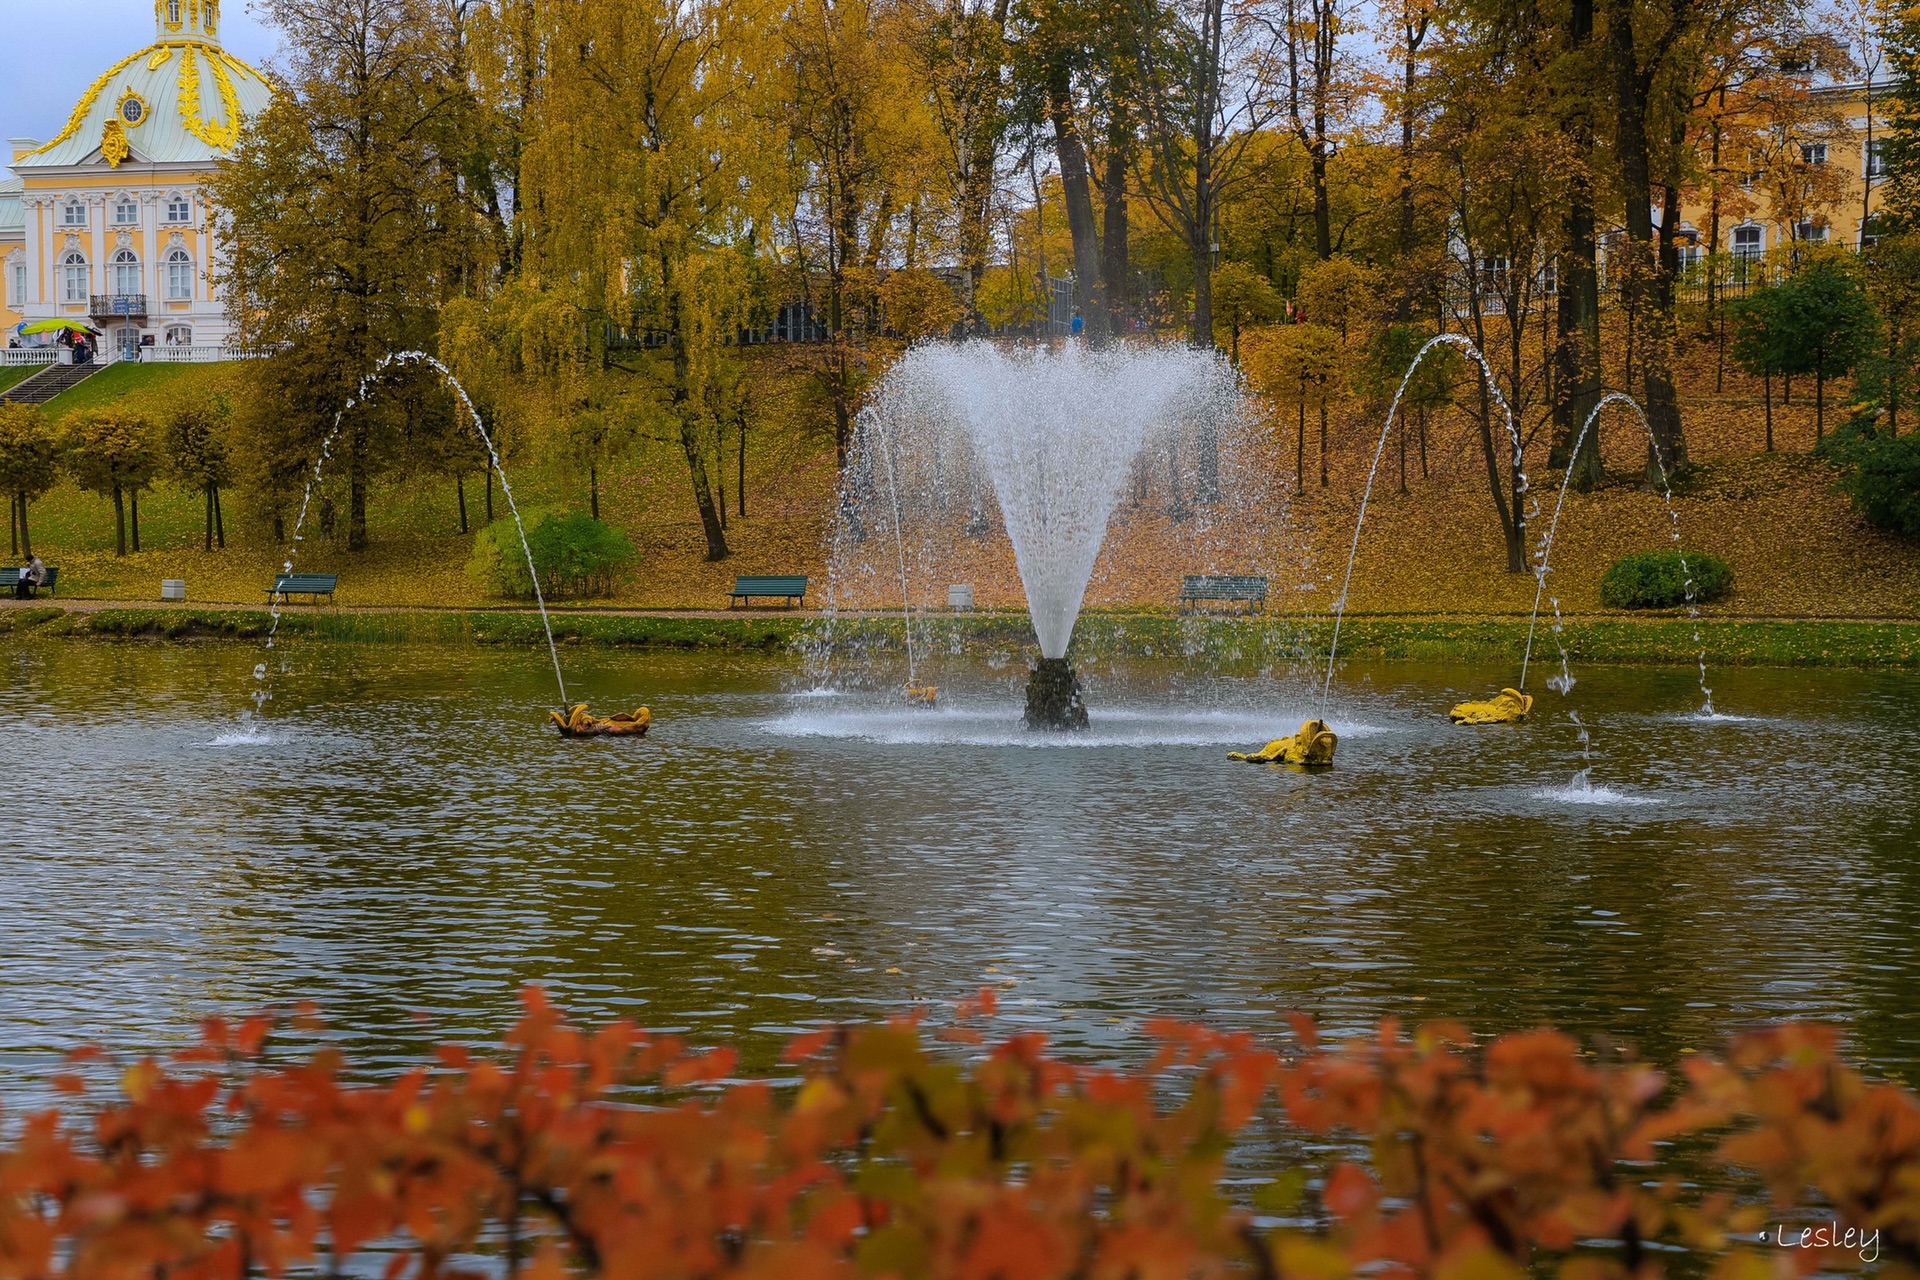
(207,494)
(1300,447)
(1078,190)
(26,532)
(1766,383)
(1403,455)
(133,503)
(1649,279)
(593,490)
(1819,407)
(740,489)
(1323,438)
(1113,214)
(1577,381)
(13,525)
(356,508)
(1510,527)
(119,522)
(219,524)
(690,443)
(460,494)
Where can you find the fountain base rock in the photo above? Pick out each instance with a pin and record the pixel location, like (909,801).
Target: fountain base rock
(1053,697)
(1311,748)
(1509,706)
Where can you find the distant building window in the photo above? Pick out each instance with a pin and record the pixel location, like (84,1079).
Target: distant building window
(1749,242)
(17,283)
(179,275)
(1870,232)
(179,335)
(74,269)
(1689,257)
(179,209)
(1810,233)
(173,14)
(73,214)
(1813,153)
(126,213)
(1876,159)
(126,272)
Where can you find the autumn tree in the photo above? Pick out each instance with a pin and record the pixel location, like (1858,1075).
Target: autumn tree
(1204,95)
(1297,366)
(348,222)
(1241,297)
(1826,323)
(29,465)
(193,445)
(646,140)
(111,452)
(1759,343)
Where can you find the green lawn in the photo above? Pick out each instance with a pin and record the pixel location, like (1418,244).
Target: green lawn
(121,380)
(10,374)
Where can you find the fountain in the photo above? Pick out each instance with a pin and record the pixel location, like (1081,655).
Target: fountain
(1058,434)
(1481,713)
(260,673)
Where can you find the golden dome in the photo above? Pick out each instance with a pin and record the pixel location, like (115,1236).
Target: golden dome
(182,98)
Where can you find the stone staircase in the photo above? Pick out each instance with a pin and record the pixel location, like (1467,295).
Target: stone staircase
(49,382)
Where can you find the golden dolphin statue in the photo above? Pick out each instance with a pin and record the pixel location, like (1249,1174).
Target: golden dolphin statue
(1312,748)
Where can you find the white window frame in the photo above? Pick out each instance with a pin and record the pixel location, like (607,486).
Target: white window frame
(178,335)
(179,209)
(179,275)
(125,264)
(17,281)
(1754,250)
(1874,159)
(1807,231)
(73,213)
(76,276)
(1813,154)
(126,213)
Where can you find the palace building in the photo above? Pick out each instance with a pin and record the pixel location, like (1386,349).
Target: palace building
(108,222)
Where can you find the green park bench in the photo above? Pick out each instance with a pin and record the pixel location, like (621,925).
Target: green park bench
(1222,586)
(305,584)
(792,590)
(10,580)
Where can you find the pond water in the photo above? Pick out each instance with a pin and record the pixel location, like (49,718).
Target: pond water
(407,845)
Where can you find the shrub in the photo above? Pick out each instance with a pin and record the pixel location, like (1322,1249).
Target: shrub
(575,554)
(1882,476)
(1658,580)
(1405,1155)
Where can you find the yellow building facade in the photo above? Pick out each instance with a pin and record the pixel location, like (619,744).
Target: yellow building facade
(108,222)
(1823,183)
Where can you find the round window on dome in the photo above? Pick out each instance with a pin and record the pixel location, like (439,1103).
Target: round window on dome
(133,108)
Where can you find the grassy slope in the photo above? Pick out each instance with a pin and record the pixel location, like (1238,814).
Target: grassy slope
(12,374)
(1794,544)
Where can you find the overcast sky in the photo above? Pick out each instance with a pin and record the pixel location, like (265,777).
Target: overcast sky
(50,53)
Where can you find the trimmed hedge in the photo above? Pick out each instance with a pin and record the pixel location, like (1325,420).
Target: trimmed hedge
(1658,580)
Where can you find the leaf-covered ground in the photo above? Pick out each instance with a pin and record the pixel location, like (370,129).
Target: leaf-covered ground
(1795,546)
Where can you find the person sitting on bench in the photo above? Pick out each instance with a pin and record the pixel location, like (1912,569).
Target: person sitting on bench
(31,579)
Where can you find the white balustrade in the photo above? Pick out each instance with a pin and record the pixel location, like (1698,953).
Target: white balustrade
(15,356)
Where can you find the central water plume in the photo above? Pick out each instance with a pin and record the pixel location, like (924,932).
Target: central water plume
(1147,443)
(1057,432)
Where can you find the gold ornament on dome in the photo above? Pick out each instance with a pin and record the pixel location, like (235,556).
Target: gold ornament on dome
(159,58)
(113,143)
(215,134)
(132,109)
(168,13)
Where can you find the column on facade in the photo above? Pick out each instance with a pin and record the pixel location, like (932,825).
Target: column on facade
(33,206)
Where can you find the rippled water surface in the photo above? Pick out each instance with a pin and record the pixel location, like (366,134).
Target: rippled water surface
(406,845)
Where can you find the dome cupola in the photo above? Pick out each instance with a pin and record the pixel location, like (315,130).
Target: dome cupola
(187,20)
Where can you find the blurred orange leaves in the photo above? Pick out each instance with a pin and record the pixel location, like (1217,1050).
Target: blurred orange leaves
(621,1153)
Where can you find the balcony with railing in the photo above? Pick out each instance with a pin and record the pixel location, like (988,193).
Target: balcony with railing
(105,305)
